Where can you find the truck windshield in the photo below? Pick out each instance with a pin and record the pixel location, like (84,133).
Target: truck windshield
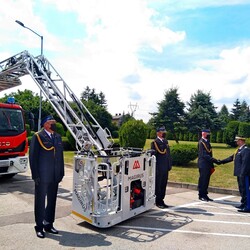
(11,122)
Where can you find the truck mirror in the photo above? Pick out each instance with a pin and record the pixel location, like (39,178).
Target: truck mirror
(31,121)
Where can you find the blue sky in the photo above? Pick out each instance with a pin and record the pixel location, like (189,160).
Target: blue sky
(135,50)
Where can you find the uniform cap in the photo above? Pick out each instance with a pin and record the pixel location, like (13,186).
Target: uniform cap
(237,138)
(47,118)
(161,129)
(206,131)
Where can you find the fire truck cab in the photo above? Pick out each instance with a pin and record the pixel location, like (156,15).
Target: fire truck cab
(13,139)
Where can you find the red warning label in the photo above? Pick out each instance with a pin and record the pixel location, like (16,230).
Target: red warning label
(136,165)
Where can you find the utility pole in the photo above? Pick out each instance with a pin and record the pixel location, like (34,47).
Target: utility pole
(133,108)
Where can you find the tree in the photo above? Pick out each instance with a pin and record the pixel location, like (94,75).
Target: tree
(224,115)
(170,112)
(90,94)
(96,105)
(103,117)
(244,112)
(236,110)
(201,113)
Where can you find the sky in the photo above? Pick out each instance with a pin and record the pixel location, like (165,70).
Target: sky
(135,50)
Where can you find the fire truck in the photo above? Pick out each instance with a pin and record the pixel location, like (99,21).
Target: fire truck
(110,184)
(13,139)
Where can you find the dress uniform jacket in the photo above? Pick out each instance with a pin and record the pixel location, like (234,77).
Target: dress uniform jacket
(241,160)
(205,157)
(162,154)
(46,157)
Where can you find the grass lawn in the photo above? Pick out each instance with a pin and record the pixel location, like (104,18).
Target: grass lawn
(222,177)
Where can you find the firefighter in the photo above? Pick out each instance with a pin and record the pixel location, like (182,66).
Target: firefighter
(163,165)
(47,168)
(205,164)
(241,159)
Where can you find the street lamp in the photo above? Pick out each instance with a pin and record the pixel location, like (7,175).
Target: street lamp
(40,104)
(20,23)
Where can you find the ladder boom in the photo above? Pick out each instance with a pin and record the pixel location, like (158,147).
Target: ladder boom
(78,120)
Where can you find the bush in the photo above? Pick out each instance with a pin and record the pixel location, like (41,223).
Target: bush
(60,129)
(185,137)
(115,134)
(182,154)
(133,133)
(152,134)
(248,142)
(195,137)
(66,145)
(27,127)
(230,132)
(219,137)
(244,129)
(116,143)
(213,137)
(71,140)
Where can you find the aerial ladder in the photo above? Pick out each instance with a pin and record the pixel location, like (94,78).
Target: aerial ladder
(110,184)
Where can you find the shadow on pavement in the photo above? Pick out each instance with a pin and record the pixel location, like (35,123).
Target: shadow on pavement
(146,227)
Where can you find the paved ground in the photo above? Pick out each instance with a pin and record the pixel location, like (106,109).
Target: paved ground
(187,224)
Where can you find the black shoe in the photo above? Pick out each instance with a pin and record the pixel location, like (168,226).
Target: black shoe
(162,206)
(208,199)
(244,210)
(241,206)
(39,232)
(203,199)
(50,229)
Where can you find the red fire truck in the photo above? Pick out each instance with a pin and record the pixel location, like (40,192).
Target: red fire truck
(13,139)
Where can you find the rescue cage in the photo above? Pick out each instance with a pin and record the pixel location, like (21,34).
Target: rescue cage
(121,186)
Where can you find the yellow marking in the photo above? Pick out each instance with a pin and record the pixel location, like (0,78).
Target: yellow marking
(81,216)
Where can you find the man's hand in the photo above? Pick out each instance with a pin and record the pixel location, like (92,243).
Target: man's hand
(218,162)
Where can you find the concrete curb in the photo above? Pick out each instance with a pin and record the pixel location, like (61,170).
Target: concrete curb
(210,189)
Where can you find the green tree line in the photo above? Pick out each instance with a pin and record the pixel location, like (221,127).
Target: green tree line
(183,121)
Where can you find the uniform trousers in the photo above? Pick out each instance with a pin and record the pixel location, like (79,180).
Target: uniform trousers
(161,181)
(204,181)
(45,208)
(242,189)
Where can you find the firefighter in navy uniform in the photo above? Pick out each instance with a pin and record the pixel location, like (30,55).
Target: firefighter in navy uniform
(205,164)
(241,159)
(163,165)
(47,168)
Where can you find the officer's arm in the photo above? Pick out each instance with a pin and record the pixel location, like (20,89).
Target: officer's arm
(33,157)
(228,159)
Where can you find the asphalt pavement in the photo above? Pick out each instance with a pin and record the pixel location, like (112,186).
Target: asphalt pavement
(188,223)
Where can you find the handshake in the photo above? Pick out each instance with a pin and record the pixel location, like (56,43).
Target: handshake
(218,162)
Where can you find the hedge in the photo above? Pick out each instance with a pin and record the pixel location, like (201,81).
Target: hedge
(182,154)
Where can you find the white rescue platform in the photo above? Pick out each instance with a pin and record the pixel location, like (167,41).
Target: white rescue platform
(105,194)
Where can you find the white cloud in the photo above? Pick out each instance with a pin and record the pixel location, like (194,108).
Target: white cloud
(108,53)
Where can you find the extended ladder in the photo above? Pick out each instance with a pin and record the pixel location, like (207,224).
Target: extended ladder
(82,125)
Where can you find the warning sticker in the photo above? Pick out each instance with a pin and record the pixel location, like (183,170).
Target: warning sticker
(136,165)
